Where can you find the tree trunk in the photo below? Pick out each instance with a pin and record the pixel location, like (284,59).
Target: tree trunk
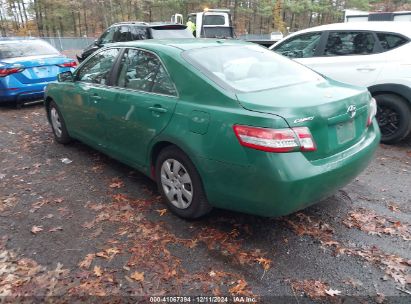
(79,23)
(85,18)
(61,26)
(20,13)
(73,15)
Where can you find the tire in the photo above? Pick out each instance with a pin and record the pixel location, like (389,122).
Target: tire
(394,118)
(175,187)
(57,124)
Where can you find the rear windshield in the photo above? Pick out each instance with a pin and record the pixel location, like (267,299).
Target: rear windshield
(170,33)
(214,20)
(249,68)
(25,49)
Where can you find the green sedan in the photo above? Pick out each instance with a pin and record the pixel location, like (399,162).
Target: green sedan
(218,123)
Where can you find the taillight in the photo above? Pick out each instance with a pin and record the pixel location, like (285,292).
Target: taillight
(70,64)
(306,139)
(12,70)
(275,140)
(373,111)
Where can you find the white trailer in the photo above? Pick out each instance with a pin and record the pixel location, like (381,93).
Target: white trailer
(358,16)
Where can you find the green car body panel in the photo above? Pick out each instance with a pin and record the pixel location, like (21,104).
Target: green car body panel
(200,119)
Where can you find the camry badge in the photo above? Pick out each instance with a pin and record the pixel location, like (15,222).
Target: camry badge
(299,120)
(352,110)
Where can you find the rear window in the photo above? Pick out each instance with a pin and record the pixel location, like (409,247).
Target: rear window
(214,20)
(168,33)
(249,68)
(25,49)
(390,41)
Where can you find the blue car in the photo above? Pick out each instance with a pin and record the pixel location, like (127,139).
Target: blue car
(26,67)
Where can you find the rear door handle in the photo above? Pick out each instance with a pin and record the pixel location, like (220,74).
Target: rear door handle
(95,98)
(158,109)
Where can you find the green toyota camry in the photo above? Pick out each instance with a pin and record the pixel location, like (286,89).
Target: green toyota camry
(218,123)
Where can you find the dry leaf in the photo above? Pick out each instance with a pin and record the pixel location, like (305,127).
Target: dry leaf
(59,228)
(266,263)
(97,271)
(36,229)
(161,211)
(137,276)
(85,264)
(116,183)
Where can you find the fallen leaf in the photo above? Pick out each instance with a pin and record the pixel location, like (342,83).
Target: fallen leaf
(97,271)
(36,229)
(314,289)
(85,264)
(59,228)
(380,298)
(116,183)
(266,263)
(137,276)
(161,211)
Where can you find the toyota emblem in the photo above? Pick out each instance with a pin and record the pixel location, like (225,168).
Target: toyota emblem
(352,110)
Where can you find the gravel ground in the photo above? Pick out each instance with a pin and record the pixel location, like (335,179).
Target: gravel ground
(77,225)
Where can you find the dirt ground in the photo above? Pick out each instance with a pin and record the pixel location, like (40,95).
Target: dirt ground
(76,225)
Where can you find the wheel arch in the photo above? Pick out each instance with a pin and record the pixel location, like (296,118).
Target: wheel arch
(46,105)
(391,88)
(160,145)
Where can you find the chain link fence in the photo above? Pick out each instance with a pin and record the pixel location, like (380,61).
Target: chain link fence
(68,43)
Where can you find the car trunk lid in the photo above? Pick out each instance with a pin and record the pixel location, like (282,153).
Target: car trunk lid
(336,114)
(37,69)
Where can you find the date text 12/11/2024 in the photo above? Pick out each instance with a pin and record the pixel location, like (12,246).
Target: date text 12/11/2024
(202,299)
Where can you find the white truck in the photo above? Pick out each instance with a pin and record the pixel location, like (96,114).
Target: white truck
(211,23)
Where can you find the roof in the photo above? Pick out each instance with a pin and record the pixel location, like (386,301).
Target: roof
(400,27)
(182,44)
(147,24)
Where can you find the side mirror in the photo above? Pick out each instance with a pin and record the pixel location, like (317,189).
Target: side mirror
(96,42)
(65,77)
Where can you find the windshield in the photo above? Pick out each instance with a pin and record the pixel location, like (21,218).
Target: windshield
(25,49)
(249,68)
(170,33)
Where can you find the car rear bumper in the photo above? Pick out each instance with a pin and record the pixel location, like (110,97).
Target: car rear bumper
(23,94)
(282,183)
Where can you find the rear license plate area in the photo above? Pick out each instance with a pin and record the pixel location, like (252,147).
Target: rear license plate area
(41,71)
(345,131)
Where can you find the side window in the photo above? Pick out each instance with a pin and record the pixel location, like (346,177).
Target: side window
(122,34)
(143,71)
(349,43)
(390,41)
(107,36)
(97,69)
(301,46)
(138,33)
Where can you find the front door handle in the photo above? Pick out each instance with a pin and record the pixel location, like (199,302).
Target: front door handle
(158,109)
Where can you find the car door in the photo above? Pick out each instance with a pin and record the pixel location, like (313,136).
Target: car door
(145,101)
(91,87)
(352,57)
